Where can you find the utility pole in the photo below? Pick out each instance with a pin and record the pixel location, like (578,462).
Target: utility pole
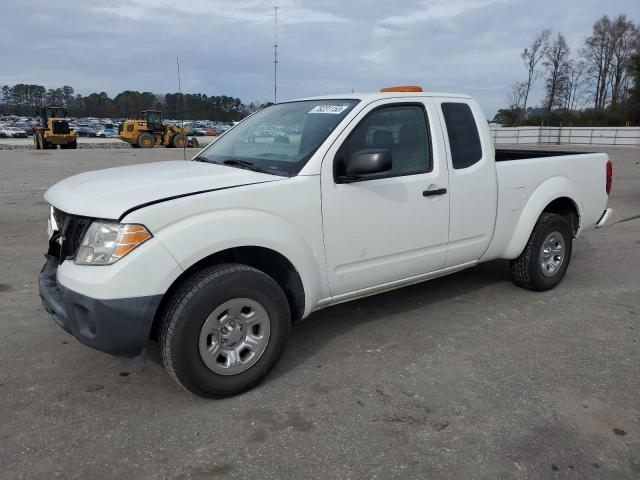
(184,148)
(178,63)
(275,55)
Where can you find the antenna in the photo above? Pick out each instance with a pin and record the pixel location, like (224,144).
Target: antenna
(275,55)
(184,146)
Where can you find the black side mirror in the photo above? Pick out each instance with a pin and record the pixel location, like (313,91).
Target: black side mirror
(366,163)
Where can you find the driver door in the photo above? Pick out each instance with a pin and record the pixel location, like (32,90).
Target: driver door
(391,226)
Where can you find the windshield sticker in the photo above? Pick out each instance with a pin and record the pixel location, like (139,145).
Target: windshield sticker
(334,109)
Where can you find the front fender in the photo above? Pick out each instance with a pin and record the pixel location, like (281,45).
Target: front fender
(211,232)
(548,191)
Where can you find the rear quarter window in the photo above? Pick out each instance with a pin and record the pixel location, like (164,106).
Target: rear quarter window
(462,130)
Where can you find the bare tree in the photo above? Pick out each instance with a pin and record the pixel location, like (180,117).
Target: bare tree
(623,37)
(597,54)
(574,89)
(531,56)
(634,83)
(556,61)
(517,95)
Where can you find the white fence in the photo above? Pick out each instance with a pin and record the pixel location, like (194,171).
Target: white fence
(567,135)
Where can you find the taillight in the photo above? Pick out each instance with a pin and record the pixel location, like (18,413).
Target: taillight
(609,176)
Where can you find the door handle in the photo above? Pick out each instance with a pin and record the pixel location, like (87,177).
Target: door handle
(437,191)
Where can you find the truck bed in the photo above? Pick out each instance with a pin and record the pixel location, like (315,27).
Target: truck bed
(507,154)
(537,177)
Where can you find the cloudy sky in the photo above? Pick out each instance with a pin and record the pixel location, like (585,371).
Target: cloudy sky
(326,46)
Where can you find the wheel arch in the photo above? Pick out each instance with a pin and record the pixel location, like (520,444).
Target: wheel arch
(269,261)
(567,208)
(556,195)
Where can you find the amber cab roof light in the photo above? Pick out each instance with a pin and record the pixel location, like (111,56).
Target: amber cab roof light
(405,88)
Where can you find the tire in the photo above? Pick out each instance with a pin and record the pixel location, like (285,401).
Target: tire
(545,259)
(146,140)
(178,140)
(73,145)
(193,324)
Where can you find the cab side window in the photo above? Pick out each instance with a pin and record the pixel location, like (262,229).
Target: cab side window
(463,134)
(401,129)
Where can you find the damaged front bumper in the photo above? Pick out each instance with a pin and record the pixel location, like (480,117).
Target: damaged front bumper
(116,326)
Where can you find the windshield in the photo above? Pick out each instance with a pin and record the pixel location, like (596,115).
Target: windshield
(281,138)
(55,112)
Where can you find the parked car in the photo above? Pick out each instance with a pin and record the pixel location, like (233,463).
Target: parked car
(107,133)
(196,131)
(26,126)
(216,257)
(86,131)
(19,132)
(14,132)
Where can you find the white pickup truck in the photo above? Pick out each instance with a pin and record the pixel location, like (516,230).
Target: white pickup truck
(303,205)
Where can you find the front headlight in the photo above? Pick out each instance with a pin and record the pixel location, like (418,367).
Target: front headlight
(105,243)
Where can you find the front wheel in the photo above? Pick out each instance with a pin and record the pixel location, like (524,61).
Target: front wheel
(146,140)
(178,140)
(224,329)
(544,261)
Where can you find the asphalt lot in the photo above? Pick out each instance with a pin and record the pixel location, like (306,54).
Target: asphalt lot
(464,377)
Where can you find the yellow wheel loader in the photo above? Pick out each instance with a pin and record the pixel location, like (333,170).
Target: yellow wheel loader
(54,130)
(150,131)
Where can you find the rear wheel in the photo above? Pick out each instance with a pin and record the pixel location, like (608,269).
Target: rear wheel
(73,145)
(224,329)
(544,261)
(178,140)
(146,140)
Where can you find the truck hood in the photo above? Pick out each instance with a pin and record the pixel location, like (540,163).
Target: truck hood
(111,192)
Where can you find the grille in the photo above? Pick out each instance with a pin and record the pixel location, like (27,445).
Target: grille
(60,127)
(72,230)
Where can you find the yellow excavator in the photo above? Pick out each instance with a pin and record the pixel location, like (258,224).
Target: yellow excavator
(54,130)
(150,131)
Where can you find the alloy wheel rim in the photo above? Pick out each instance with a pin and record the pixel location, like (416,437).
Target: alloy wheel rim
(234,336)
(552,254)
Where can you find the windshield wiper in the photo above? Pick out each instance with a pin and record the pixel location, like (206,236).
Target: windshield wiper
(235,162)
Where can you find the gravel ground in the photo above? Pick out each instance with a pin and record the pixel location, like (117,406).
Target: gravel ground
(464,377)
(83,143)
